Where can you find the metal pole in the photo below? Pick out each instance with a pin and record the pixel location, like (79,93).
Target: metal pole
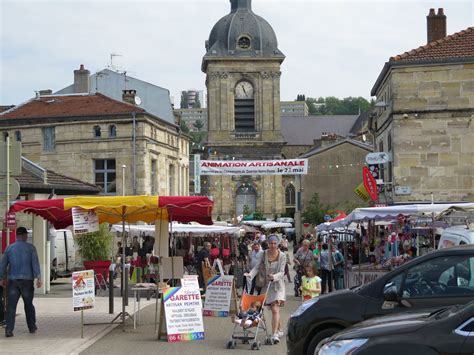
(124,269)
(134,148)
(7,196)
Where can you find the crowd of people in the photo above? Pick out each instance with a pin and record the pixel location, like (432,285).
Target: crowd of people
(319,268)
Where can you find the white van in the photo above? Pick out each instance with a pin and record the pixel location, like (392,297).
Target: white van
(457,235)
(62,252)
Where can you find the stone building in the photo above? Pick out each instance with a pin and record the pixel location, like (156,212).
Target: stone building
(91,137)
(242,67)
(425,117)
(335,170)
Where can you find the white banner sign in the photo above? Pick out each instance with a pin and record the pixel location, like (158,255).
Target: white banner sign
(378,158)
(183,311)
(83,290)
(84,221)
(218,295)
(197,174)
(254,167)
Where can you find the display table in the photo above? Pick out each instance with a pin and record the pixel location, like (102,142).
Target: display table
(137,289)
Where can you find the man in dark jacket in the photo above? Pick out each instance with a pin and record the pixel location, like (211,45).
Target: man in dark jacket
(22,262)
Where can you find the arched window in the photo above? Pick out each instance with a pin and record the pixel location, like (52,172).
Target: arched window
(290,195)
(112,131)
(96,131)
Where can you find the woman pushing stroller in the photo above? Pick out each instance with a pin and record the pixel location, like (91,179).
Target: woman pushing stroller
(271,268)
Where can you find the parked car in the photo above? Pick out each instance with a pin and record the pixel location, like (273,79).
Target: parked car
(458,235)
(442,278)
(447,330)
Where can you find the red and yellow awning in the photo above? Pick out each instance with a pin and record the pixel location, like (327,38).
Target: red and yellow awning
(115,209)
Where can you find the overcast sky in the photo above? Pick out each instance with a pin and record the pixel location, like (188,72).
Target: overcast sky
(332,48)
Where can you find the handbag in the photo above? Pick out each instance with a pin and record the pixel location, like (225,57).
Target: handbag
(261,276)
(214,252)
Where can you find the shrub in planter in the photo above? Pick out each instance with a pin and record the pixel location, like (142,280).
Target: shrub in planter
(96,248)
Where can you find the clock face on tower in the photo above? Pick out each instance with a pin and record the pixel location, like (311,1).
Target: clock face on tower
(244,90)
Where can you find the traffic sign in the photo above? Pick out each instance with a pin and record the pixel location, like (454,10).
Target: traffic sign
(378,158)
(14,188)
(10,221)
(14,157)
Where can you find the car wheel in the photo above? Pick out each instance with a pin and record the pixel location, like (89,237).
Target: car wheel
(320,338)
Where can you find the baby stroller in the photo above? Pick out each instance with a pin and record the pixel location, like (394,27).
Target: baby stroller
(249,334)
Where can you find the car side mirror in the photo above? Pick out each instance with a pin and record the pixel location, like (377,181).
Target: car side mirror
(390,294)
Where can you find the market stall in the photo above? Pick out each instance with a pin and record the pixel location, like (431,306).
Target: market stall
(388,236)
(125,209)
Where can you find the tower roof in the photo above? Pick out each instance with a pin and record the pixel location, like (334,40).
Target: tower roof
(242,34)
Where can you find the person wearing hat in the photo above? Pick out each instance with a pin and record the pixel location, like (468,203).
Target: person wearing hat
(21,261)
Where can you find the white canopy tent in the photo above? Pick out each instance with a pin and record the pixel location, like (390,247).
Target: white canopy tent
(272,225)
(196,230)
(392,212)
(256,223)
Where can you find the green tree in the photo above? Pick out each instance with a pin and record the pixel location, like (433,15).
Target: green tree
(197,103)
(334,106)
(198,125)
(315,211)
(246,210)
(184,127)
(184,100)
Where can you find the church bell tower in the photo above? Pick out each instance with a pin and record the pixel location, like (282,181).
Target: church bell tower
(242,66)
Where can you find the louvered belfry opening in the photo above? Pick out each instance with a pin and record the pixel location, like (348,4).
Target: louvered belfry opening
(244,115)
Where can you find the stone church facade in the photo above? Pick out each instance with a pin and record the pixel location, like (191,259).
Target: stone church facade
(242,66)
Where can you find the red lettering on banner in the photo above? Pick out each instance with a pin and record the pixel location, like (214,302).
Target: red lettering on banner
(370,183)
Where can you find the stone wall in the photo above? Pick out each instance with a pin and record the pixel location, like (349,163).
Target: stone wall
(77,148)
(333,174)
(432,131)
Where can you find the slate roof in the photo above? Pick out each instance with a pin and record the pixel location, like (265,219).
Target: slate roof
(457,45)
(320,149)
(155,99)
(304,130)
(79,105)
(61,184)
(242,21)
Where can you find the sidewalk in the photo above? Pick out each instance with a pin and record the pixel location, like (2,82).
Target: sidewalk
(59,328)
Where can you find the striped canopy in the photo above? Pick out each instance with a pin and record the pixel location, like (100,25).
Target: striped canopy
(115,209)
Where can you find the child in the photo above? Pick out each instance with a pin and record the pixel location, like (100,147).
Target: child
(245,319)
(310,283)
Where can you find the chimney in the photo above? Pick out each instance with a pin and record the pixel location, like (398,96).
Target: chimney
(129,96)
(436,25)
(81,80)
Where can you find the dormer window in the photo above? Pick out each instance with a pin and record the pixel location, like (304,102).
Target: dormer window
(97,131)
(243,42)
(112,131)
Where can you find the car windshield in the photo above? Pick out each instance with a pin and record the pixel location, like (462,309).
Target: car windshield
(450,311)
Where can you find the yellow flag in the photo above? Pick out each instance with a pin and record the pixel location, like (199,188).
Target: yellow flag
(362,192)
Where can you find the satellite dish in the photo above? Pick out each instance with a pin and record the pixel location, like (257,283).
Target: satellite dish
(138,101)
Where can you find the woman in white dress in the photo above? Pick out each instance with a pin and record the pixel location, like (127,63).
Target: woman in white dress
(273,263)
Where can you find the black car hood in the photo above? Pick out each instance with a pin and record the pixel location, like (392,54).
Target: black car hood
(393,324)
